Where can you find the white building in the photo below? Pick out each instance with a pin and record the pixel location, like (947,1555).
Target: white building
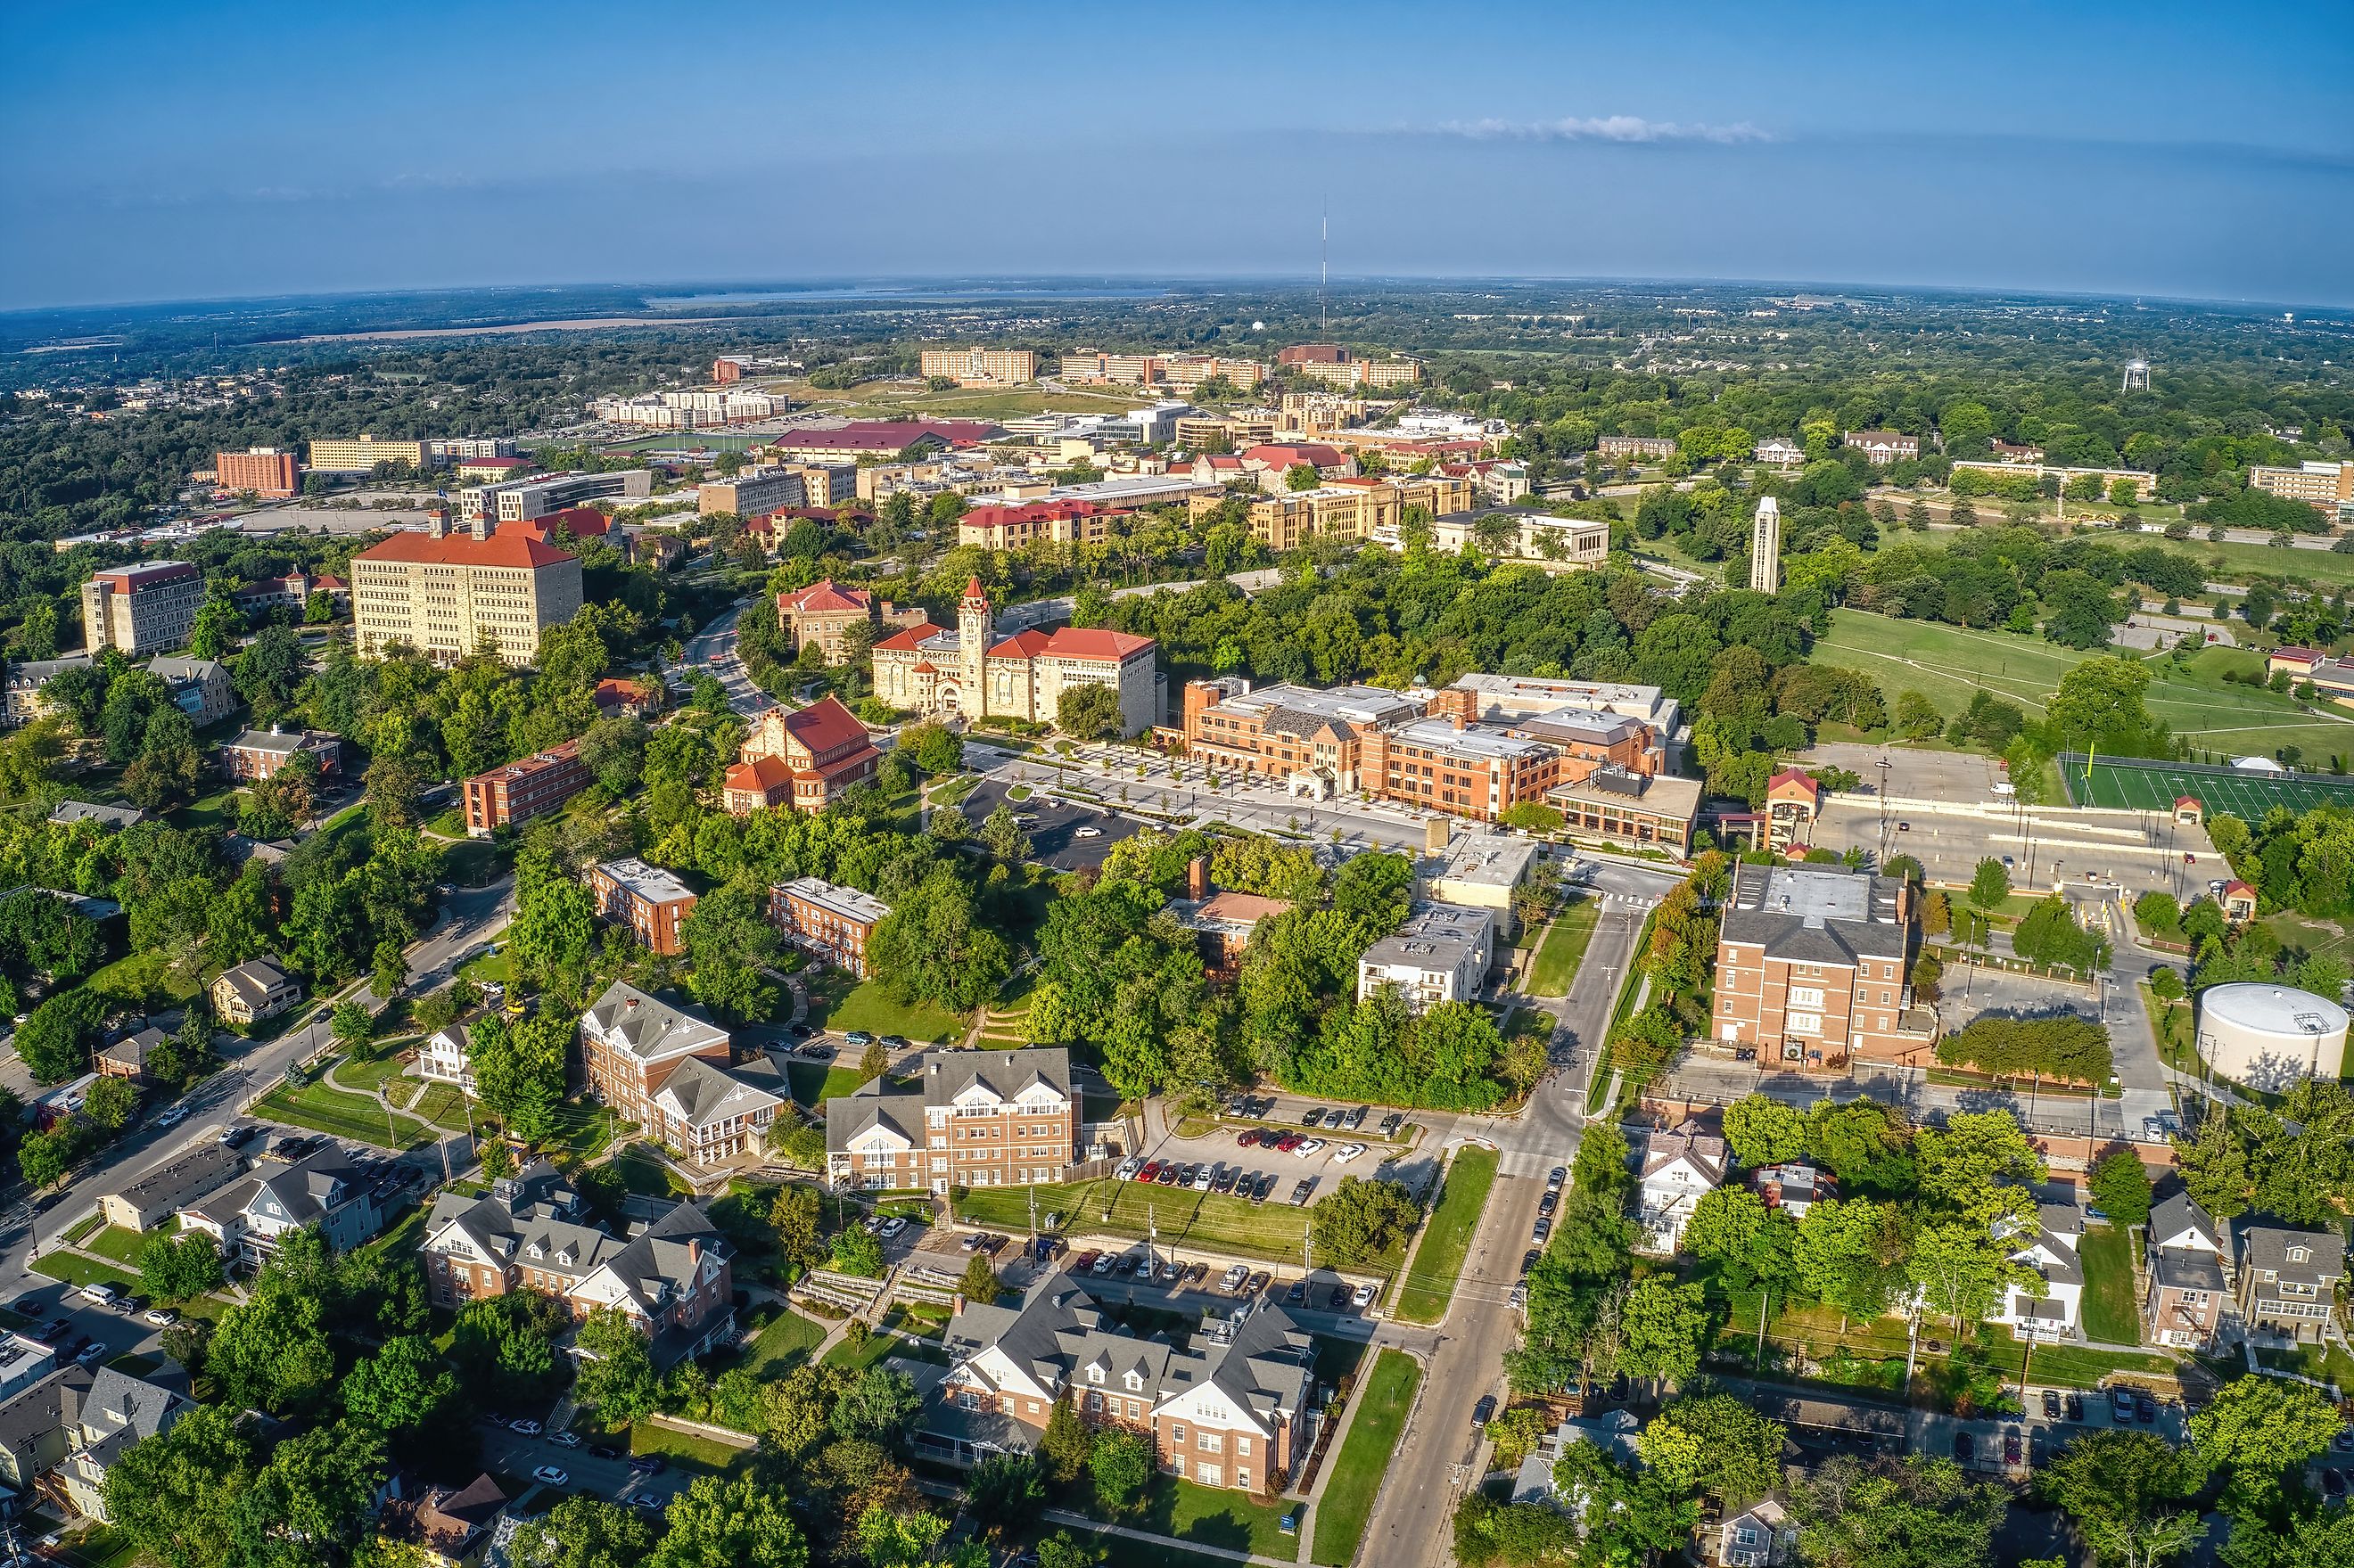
(445,1058)
(1441,954)
(2050,1249)
(1679,1168)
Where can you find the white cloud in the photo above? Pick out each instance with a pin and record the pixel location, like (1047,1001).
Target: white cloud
(1627,128)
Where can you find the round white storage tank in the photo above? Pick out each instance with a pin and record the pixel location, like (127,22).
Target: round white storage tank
(2268,1037)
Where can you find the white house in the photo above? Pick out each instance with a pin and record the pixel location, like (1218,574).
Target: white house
(1679,1168)
(1794,1187)
(444,1059)
(2050,1249)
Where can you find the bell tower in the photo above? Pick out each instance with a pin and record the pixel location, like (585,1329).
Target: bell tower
(974,625)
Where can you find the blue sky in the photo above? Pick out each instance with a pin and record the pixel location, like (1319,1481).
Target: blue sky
(159,151)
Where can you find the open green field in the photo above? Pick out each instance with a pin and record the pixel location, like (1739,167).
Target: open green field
(1437,1262)
(1563,946)
(2111,1316)
(814,1083)
(834,1003)
(1273,1229)
(339,1115)
(1951,664)
(783,1344)
(1383,1397)
(2138,785)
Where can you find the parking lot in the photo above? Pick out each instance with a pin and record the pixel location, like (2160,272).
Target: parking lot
(1065,836)
(2054,1416)
(1318,1147)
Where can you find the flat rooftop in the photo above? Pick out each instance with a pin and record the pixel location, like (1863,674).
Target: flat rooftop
(1526,697)
(650,883)
(1436,933)
(1356,704)
(1472,740)
(1484,860)
(844,901)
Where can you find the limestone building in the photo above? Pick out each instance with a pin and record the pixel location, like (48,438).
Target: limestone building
(446,594)
(972,672)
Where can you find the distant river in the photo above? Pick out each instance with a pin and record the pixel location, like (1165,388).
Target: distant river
(910,292)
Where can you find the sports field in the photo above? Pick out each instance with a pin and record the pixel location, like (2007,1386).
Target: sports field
(1951,664)
(2137,785)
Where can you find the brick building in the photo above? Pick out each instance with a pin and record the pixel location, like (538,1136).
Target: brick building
(648,900)
(258,754)
(833,923)
(673,1275)
(268,472)
(630,1042)
(2190,1291)
(517,791)
(974,673)
(977,1118)
(1230,1411)
(1313,740)
(804,758)
(1812,967)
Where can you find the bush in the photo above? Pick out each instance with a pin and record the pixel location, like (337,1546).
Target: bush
(2070,1049)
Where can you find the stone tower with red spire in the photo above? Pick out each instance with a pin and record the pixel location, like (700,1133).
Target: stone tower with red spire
(975,623)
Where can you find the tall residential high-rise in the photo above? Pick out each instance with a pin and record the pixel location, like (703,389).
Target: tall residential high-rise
(1766,547)
(446,595)
(265,471)
(142,610)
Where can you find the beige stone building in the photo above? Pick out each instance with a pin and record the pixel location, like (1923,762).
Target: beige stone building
(142,610)
(1348,508)
(360,454)
(972,672)
(980,366)
(447,594)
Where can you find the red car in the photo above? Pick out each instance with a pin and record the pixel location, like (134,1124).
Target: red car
(1249,1138)
(1290,1141)
(1149,1173)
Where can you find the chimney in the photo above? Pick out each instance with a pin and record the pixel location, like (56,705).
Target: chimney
(1197,877)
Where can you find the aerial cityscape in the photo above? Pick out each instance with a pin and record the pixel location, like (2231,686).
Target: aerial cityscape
(1000,793)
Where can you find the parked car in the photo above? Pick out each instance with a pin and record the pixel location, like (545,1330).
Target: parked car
(1194,1274)
(1548,1203)
(1298,1295)
(1483,1412)
(549,1475)
(2050,1404)
(858,1037)
(1362,1297)
(1227,1177)
(648,1463)
(172,1115)
(2333,1483)
(892,1227)
(813,1049)
(1249,1138)
(1391,1123)
(1129,1168)
(161,1316)
(1519,1300)
(2075,1406)
(1543,1229)
(236,1137)
(1288,1142)
(1151,1172)
(2121,1407)
(1232,1280)
(564,1439)
(1529,1258)
(2011,1453)
(1204,1177)
(1255,1283)
(525,1428)
(90,1355)
(1347,1153)
(1337,1298)
(2145,1410)
(1314,1116)
(604,1451)
(25,1306)
(1265,1188)
(1966,1448)
(1103,1264)
(1555,1177)
(1299,1193)
(1307,1147)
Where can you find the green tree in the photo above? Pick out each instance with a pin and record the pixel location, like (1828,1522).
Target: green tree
(272,1351)
(390,969)
(1066,1444)
(876,1407)
(1005,1492)
(1360,1220)
(174,1496)
(1121,1465)
(979,1285)
(1003,835)
(2213,1164)
(857,1252)
(2127,1492)
(1764,1131)
(729,941)
(109,1103)
(1851,1255)
(730,1522)
(555,928)
(1989,884)
(2258,1431)
(617,1374)
(2121,1189)
(1088,712)
(1666,1327)
(1915,1512)
(179,1269)
(585,1532)
(1718,1446)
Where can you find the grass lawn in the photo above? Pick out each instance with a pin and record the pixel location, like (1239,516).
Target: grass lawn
(489,967)
(1130,1553)
(1207,1516)
(1273,1229)
(373,1066)
(814,1083)
(87,1229)
(783,1345)
(867,1007)
(2325,1362)
(216,811)
(74,1268)
(2110,1312)
(697,1456)
(339,1115)
(1346,1503)
(101,1547)
(1563,946)
(1951,664)
(643,1174)
(2070,1367)
(1447,1236)
(143,977)
(449,824)
(122,1246)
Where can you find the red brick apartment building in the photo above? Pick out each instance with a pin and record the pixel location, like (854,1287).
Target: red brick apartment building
(265,471)
(1811,967)
(833,922)
(672,1276)
(648,900)
(629,1044)
(805,759)
(1067,521)
(258,754)
(1231,1411)
(978,1118)
(517,791)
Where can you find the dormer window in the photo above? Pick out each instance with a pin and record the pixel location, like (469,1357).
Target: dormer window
(534,1249)
(2298,1254)
(1134,1382)
(1094,1374)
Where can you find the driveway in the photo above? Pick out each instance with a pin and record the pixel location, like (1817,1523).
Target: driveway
(1065,835)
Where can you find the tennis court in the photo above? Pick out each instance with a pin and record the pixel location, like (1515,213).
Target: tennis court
(2140,785)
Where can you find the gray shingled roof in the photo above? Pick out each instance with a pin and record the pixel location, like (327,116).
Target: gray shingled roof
(2268,1245)
(650,1029)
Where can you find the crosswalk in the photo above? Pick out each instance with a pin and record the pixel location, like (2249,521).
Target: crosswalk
(1529,1162)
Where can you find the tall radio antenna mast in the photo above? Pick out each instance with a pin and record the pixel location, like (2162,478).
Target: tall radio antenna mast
(1324,269)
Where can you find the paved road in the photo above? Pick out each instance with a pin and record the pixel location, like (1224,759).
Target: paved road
(469,916)
(719,639)
(1438,1456)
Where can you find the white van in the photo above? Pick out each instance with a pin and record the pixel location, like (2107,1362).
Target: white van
(101,1294)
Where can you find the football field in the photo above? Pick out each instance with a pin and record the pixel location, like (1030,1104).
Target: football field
(2145,786)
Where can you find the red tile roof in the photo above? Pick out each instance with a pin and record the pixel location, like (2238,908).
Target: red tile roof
(1094,643)
(762,776)
(1315,456)
(825,725)
(1794,776)
(887,435)
(972,588)
(501,549)
(585,522)
(907,641)
(1023,645)
(1032,511)
(820,597)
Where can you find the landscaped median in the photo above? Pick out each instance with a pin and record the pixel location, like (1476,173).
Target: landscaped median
(1563,947)
(1437,1262)
(1346,1505)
